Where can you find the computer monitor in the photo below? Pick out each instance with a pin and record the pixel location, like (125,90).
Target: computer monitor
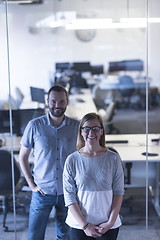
(97,69)
(81,66)
(126,65)
(5,121)
(37,94)
(62,66)
(20,118)
(28,114)
(133,65)
(116,66)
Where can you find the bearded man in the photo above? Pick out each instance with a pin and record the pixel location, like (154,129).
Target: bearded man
(52,137)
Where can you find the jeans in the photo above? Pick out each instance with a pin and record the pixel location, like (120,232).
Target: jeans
(40,209)
(78,234)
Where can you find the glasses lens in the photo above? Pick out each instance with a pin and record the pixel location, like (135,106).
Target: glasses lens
(86,129)
(94,129)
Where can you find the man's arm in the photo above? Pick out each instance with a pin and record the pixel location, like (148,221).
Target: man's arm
(24,164)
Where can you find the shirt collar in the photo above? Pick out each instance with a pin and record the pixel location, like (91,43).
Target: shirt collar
(64,122)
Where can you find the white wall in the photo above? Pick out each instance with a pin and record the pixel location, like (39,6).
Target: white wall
(32,56)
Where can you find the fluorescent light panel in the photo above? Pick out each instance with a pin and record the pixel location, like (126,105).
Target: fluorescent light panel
(96,23)
(88,23)
(140,20)
(103,24)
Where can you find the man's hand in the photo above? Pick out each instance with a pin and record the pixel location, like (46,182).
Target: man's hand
(37,189)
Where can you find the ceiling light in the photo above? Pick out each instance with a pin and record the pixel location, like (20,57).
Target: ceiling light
(94,23)
(49,22)
(22,1)
(154,20)
(103,24)
(140,20)
(70,22)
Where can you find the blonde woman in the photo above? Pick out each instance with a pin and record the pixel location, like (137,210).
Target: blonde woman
(93,182)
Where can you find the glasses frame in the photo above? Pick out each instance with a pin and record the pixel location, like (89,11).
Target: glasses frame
(87,129)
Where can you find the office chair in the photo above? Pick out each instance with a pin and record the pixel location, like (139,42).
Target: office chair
(19,96)
(126,90)
(99,96)
(115,151)
(6,182)
(107,117)
(126,167)
(127,178)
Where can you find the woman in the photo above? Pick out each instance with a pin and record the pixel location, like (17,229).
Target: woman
(93,182)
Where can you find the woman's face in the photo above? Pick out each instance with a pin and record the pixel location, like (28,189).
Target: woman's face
(91,131)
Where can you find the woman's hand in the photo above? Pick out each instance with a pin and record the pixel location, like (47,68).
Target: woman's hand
(93,231)
(104,227)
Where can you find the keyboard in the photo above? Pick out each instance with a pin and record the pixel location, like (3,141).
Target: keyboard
(116,141)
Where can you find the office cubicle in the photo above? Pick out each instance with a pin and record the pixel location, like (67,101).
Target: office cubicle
(31,49)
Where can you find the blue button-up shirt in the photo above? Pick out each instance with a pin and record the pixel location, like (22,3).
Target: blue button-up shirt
(51,146)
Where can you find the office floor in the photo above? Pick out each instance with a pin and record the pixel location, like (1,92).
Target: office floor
(132,212)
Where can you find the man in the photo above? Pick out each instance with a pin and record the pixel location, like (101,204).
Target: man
(52,137)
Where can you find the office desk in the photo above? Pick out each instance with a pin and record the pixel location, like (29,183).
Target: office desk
(131,152)
(8,142)
(15,142)
(132,139)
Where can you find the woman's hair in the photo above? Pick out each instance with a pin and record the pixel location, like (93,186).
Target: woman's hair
(87,117)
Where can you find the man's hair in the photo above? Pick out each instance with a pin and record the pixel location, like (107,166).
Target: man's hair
(58,88)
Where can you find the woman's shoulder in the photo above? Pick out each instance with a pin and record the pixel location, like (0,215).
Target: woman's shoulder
(72,160)
(73,155)
(114,156)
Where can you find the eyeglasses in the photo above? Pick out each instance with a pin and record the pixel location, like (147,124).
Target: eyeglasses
(94,129)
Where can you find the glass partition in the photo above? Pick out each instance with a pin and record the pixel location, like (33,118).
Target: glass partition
(107,57)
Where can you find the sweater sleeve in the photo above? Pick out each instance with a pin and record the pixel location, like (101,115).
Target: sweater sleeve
(69,185)
(118,180)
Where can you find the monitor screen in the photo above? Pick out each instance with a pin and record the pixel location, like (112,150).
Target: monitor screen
(62,66)
(116,66)
(37,94)
(20,118)
(81,66)
(127,65)
(97,69)
(5,121)
(27,114)
(133,65)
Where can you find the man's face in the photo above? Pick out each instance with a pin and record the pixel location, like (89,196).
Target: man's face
(57,103)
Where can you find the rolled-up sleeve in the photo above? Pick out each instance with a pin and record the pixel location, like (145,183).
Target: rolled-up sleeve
(69,185)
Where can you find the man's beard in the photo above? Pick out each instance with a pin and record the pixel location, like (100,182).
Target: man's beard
(57,112)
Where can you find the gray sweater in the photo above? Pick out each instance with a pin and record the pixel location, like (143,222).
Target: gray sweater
(92,182)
